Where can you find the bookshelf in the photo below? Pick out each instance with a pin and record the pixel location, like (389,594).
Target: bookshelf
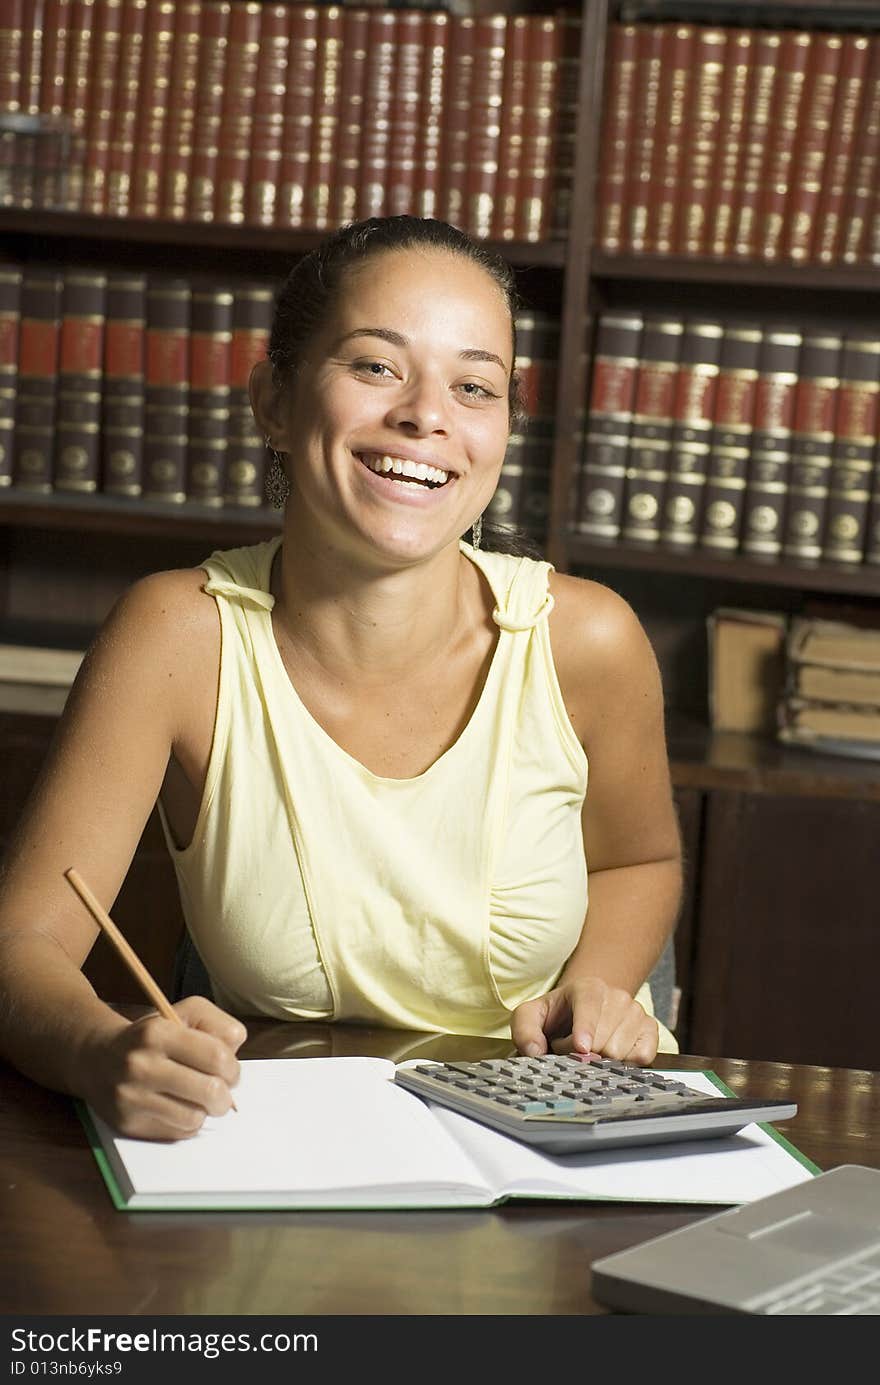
(71,554)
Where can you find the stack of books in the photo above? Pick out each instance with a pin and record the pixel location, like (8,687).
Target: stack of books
(831,699)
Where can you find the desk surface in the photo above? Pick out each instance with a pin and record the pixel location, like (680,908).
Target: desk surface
(67,1251)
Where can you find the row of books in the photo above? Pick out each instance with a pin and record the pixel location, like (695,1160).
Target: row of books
(733,437)
(741,142)
(137,385)
(809,681)
(290,114)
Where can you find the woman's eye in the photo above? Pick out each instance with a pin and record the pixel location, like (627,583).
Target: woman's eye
(378,369)
(472,390)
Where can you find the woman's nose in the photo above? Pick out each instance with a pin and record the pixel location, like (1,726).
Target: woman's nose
(420,407)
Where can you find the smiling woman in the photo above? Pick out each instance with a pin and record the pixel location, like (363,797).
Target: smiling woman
(368,737)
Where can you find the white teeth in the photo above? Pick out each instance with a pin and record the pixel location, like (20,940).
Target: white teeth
(401,466)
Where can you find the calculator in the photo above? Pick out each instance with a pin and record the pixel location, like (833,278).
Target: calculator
(566,1105)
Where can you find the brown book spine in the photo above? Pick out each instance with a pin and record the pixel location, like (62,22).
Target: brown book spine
(567,102)
(865,166)
(38,341)
(872,538)
(325,127)
(236,127)
(457,128)
(246,456)
(795,56)
(429,165)
(521,500)
(638,194)
(80,368)
(210,352)
(22,148)
(76,96)
(102,95)
(512,116)
(487,79)
(599,503)
(647,460)
(299,103)
(126,103)
(122,406)
(183,93)
(815,408)
(10,322)
(693,412)
(825,243)
(403,142)
(730,443)
(267,133)
(852,454)
(767,472)
(355,31)
(678,60)
(539,129)
(379,100)
(733,114)
(11,25)
(211,85)
(752,167)
(616,143)
(701,145)
(166,393)
(160,22)
(50,171)
(811,146)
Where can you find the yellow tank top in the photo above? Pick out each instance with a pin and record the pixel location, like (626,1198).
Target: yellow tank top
(316,889)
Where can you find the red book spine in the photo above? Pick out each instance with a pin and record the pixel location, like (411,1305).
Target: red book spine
(403,144)
(865,167)
(50,168)
(852,454)
(355,28)
(251,322)
(76,96)
(103,67)
(299,103)
(757,131)
(539,129)
(179,130)
(512,113)
(700,149)
(647,461)
(264,170)
(487,79)
(38,340)
(236,128)
(677,63)
(567,108)
(127,99)
(122,409)
(10,321)
(815,409)
(80,368)
(786,116)
(811,146)
(457,128)
(849,109)
(521,499)
(643,137)
(29,72)
(209,98)
(730,441)
(735,102)
(209,386)
(616,143)
(693,412)
(166,389)
(146,196)
(767,472)
(602,478)
(429,164)
(325,124)
(378,108)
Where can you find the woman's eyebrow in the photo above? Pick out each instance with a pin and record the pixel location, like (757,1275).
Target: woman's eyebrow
(398,339)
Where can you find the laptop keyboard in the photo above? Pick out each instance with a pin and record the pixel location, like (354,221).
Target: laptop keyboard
(849,1288)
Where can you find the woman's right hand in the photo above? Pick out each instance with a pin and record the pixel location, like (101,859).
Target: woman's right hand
(157,1080)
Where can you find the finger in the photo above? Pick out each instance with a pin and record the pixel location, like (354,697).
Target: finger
(197,1012)
(174,1074)
(146,1115)
(527,1026)
(157,1038)
(625,1042)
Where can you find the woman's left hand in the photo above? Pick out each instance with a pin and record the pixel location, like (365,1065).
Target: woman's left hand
(586,1016)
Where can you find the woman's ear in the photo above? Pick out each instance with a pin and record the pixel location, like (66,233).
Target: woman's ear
(266,408)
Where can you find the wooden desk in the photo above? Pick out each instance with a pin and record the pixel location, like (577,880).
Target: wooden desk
(67,1251)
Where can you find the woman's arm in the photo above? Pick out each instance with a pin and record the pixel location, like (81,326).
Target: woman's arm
(612,689)
(133,704)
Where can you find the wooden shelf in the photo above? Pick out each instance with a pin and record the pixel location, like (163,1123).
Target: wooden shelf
(676,269)
(109,514)
(863,580)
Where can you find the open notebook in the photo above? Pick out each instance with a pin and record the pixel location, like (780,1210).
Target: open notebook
(340,1133)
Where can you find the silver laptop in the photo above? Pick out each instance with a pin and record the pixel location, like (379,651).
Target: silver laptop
(812,1249)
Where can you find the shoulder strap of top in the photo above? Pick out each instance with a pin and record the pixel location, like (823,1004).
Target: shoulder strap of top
(243,574)
(520,587)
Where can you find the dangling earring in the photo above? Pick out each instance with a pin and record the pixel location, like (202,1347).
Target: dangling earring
(477,532)
(276,484)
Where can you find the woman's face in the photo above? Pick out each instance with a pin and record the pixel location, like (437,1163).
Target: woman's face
(397,424)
